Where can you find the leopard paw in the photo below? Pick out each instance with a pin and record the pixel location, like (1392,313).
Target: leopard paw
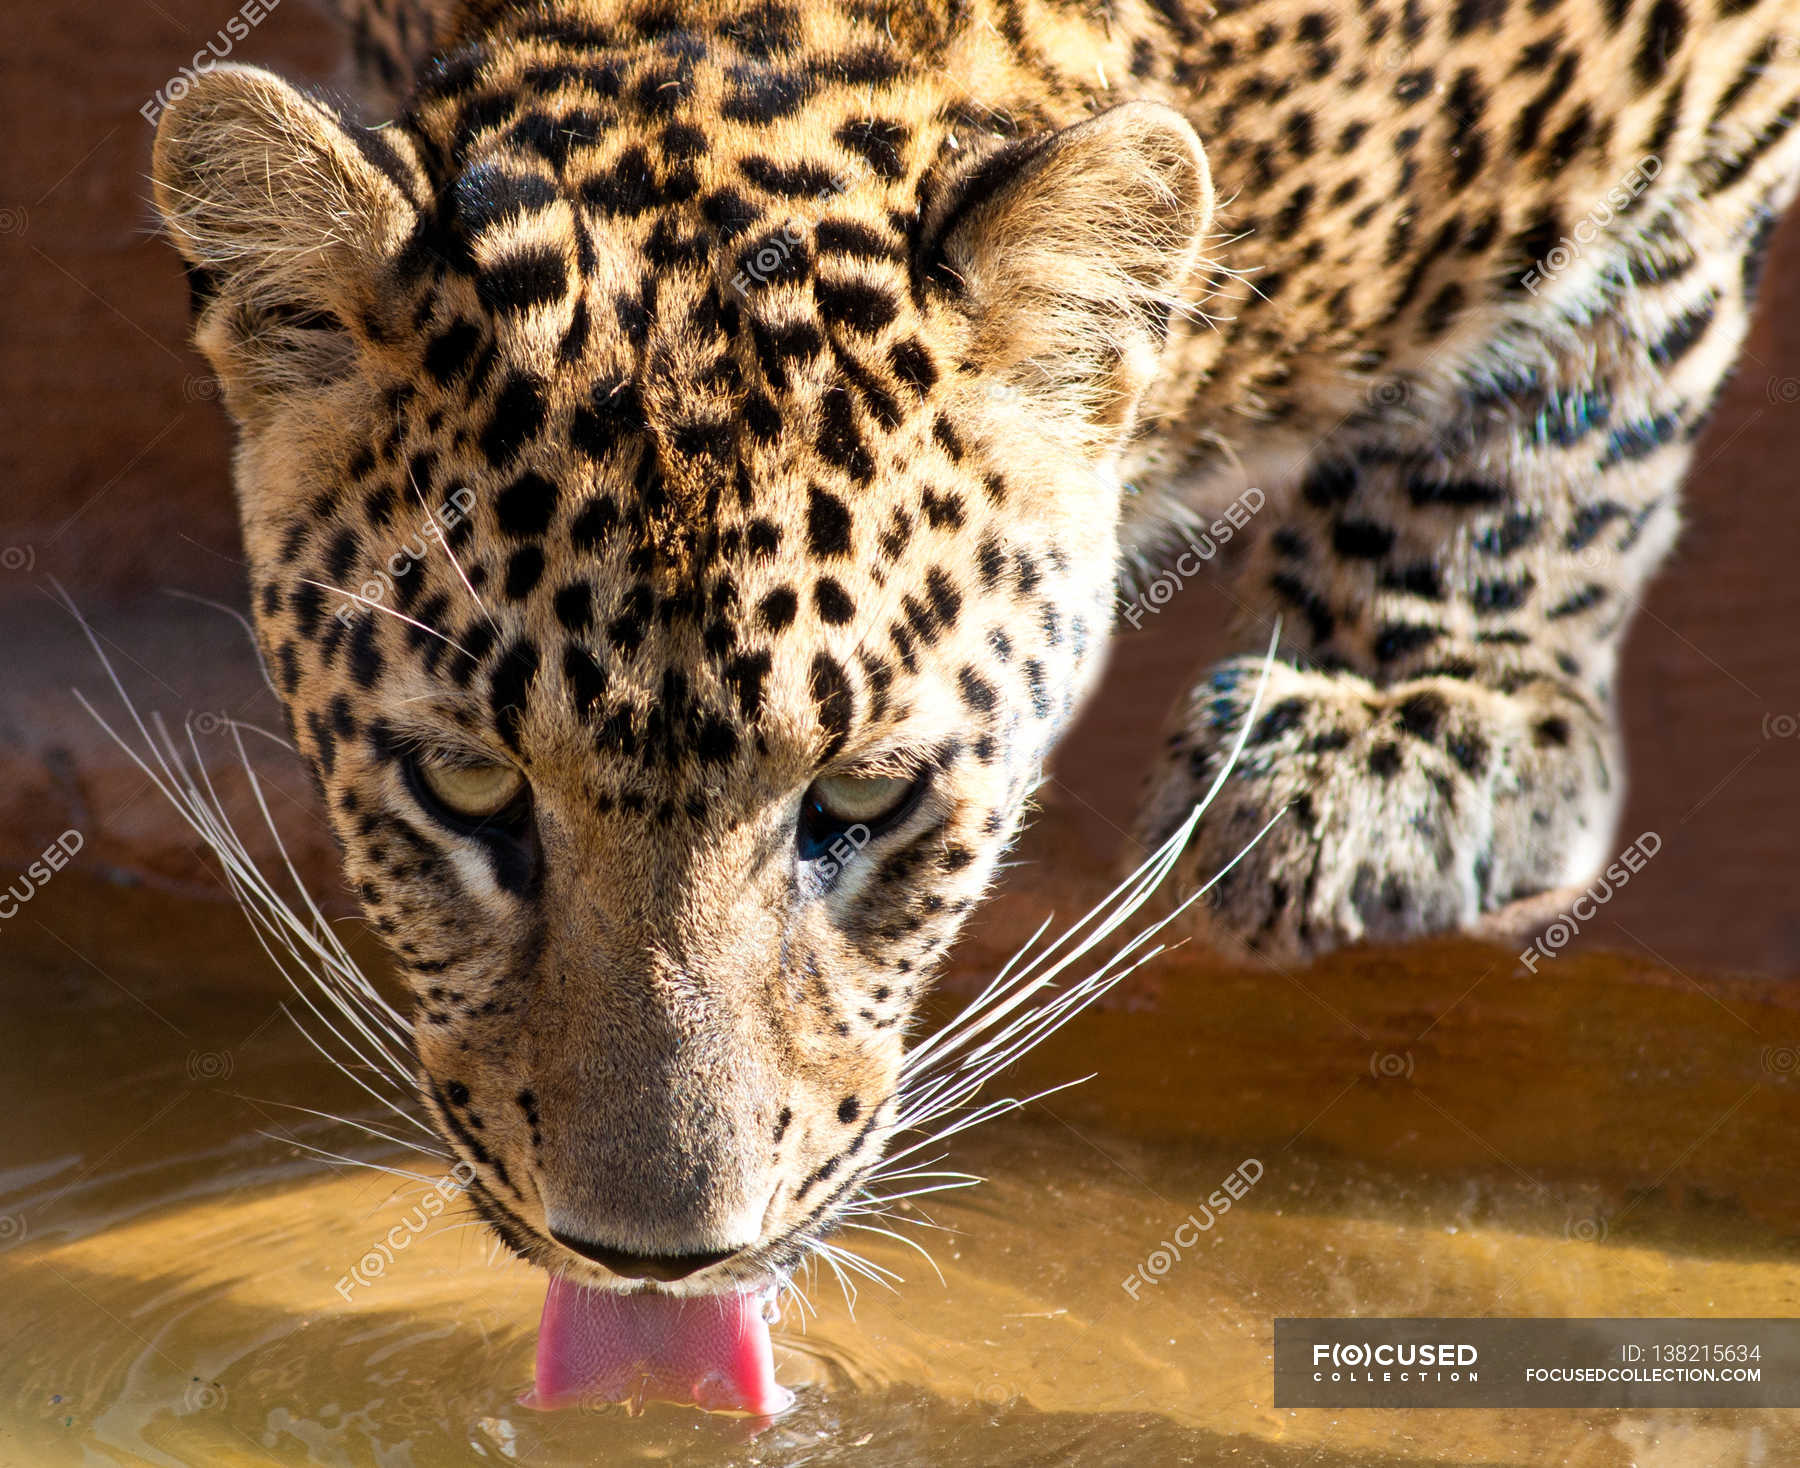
(1395,811)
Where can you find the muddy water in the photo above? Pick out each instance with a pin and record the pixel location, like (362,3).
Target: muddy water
(1436,1135)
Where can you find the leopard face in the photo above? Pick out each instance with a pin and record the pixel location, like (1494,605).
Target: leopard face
(675,570)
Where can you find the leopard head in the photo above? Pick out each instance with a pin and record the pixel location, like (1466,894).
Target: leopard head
(677,544)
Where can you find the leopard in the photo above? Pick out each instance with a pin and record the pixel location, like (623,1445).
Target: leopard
(693,457)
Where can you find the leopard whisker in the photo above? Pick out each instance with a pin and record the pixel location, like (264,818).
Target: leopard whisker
(456,565)
(1014,988)
(791,1286)
(844,1284)
(312,945)
(866,1268)
(351,983)
(339,1157)
(975,1068)
(236,616)
(848,1266)
(361,1126)
(901,1238)
(269,916)
(375,606)
(941,1077)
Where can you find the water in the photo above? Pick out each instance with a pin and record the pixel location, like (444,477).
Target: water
(180,1283)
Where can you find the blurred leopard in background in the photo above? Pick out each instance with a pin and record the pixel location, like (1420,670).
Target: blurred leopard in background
(816,380)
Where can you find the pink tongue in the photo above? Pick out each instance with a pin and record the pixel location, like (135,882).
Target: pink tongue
(710,1351)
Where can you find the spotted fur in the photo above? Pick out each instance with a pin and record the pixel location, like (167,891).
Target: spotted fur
(815,374)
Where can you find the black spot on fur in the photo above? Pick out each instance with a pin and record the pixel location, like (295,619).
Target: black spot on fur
(1470,750)
(1283,718)
(1362,539)
(523,572)
(776,610)
(855,305)
(517,418)
(835,703)
(1398,639)
(1422,714)
(977,693)
(878,142)
(1328,484)
(531,276)
(510,688)
(1490,597)
(525,507)
(448,353)
(612,412)
(834,604)
(1664,31)
(575,606)
(827,524)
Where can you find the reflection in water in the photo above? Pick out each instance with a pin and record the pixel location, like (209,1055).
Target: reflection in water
(170,1264)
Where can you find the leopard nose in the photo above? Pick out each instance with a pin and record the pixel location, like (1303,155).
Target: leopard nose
(663,1268)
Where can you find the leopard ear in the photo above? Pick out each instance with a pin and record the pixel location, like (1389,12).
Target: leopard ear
(284,213)
(1069,252)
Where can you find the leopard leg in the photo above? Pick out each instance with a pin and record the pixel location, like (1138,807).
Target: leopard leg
(1455,570)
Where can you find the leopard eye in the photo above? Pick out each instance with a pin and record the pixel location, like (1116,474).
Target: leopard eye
(471,792)
(850,798)
(856,806)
